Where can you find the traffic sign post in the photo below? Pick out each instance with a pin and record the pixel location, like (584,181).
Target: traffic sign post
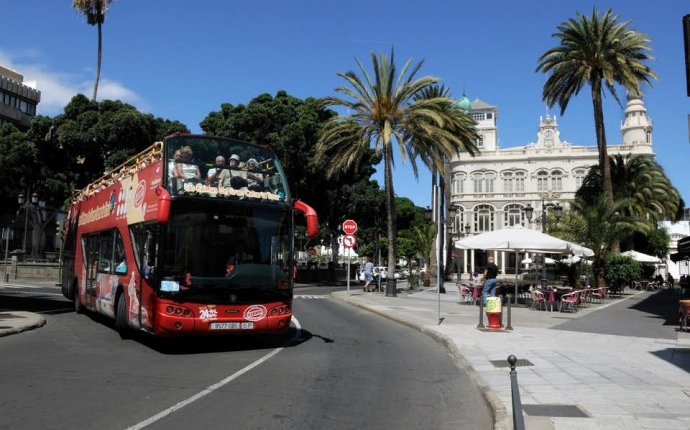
(349,226)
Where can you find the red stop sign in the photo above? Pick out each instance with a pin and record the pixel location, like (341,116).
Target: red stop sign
(349,226)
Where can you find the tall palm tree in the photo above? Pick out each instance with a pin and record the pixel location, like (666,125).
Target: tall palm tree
(641,179)
(94,11)
(382,112)
(424,239)
(598,51)
(442,176)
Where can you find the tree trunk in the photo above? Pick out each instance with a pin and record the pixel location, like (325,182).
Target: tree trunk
(390,209)
(449,266)
(98,61)
(604,165)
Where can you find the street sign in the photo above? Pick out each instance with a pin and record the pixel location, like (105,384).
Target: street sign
(349,241)
(349,226)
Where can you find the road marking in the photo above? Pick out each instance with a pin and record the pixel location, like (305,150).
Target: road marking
(211,388)
(307,296)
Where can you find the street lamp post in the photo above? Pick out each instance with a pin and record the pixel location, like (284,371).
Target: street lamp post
(544,220)
(27,206)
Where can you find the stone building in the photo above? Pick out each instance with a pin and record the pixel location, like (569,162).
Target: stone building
(492,190)
(18,101)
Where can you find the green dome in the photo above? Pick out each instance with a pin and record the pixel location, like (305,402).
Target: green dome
(464,104)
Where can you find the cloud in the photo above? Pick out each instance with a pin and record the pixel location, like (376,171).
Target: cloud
(57,87)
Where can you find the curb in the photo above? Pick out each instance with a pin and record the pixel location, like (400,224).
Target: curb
(36,322)
(501,418)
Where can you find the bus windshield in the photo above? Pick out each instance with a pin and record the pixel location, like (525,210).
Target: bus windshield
(214,250)
(216,167)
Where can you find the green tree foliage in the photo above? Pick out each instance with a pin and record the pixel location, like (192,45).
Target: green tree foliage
(621,270)
(383,112)
(94,11)
(598,51)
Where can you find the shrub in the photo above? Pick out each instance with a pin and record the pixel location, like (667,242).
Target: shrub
(621,270)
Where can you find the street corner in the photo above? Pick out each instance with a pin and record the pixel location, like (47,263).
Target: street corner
(18,322)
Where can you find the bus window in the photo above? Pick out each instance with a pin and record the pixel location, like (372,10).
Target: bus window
(119,261)
(105,263)
(145,242)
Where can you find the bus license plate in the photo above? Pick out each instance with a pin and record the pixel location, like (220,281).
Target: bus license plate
(246,325)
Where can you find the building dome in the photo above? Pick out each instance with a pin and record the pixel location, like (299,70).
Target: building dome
(464,103)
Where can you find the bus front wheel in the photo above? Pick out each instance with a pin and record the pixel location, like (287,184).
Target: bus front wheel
(121,317)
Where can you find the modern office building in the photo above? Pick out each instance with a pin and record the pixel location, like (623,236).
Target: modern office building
(17,101)
(493,189)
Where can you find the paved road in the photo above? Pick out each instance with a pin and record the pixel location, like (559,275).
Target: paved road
(346,369)
(649,315)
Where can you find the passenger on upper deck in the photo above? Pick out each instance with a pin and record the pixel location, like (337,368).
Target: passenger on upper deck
(255,177)
(216,173)
(184,168)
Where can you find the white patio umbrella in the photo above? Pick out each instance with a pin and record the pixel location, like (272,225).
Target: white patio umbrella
(519,239)
(641,258)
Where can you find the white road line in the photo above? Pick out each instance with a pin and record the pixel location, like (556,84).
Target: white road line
(211,388)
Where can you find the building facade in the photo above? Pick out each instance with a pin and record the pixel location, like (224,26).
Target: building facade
(17,101)
(492,190)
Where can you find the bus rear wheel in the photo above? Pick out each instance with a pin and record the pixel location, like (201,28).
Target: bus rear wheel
(121,317)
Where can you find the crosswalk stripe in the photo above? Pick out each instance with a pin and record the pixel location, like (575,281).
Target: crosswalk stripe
(306,296)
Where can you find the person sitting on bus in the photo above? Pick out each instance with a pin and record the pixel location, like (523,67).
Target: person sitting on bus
(240,256)
(185,169)
(122,267)
(215,173)
(235,177)
(255,179)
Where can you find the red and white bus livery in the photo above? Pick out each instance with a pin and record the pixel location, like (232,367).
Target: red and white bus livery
(193,235)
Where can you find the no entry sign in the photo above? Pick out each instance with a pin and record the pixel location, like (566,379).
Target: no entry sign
(349,226)
(349,241)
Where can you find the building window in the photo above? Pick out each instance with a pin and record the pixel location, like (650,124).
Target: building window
(477,182)
(556,181)
(490,179)
(542,181)
(508,183)
(478,116)
(483,218)
(480,142)
(513,215)
(579,176)
(458,184)
(519,182)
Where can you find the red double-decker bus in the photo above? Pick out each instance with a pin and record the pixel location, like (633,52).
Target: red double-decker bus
(194,235)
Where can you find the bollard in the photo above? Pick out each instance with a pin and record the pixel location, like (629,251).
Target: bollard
(481,314)
(518,419)
(508,326)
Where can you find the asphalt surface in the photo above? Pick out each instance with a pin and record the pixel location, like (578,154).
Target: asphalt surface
(345,368)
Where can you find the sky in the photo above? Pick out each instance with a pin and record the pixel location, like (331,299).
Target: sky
(182,59)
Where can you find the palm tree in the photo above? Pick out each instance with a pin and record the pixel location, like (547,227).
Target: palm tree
(641,179)
(382,112)
(599,51)
(94,11)
(597,225)
(442,176)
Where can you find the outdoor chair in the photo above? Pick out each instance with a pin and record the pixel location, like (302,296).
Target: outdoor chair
(465,293)
(538,299)
(598,295)
(585,297)
(569,302)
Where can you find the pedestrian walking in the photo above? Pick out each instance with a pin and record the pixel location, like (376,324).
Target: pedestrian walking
(489,278)
(368,273)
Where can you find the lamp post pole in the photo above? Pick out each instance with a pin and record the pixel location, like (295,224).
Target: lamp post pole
(543,219)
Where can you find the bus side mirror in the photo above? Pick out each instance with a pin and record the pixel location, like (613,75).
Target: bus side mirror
(310,215)
(163,214)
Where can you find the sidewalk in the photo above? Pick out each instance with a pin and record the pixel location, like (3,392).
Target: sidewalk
(574,380)
(13,321)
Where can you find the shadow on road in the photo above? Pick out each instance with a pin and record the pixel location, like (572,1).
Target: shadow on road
(10,301)
(662,305)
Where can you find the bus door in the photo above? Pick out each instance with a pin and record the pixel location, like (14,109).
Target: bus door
(145,241)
